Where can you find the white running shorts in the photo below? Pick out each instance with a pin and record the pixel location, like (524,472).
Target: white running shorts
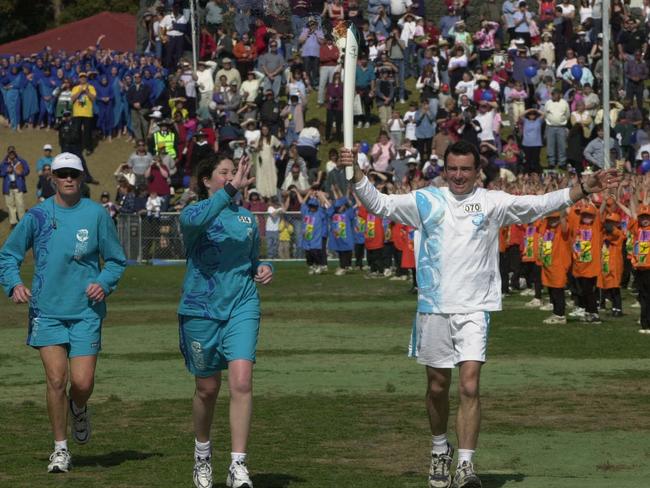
(445,340)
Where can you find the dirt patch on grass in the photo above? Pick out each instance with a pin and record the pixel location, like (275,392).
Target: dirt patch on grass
(619,405)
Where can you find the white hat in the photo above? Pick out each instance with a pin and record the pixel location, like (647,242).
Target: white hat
(67,160)
(156,114)
(47,147)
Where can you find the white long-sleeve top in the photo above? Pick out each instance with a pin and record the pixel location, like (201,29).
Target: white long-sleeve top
(457,239)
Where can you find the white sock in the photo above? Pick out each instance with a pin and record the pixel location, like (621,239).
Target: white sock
(237,457)
(202,450)
(439,443)
(465,455)
(61,445)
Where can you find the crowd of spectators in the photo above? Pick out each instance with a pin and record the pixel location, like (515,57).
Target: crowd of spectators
(522,81)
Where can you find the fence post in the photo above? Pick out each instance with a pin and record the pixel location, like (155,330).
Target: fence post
(139,239)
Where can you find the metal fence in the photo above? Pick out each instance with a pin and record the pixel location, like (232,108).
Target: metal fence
(158,238)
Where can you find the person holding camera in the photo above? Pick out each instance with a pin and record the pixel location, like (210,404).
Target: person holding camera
(13,171)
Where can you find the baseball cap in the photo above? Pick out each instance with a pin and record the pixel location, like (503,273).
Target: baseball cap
(105,194)
(67,160)
(47,147)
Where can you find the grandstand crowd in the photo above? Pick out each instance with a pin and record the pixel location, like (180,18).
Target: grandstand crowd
(520,80)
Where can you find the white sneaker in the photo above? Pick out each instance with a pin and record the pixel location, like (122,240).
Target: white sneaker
(402,101)
(534,303)
(339,272)
(547,307)
(578,313)
(528,292)
(80,424)
(317,270)
(635,305)
(388,272)
(644,331)
(366,125)
(238,476)
(359,125)
(60,461)
(555,319)
(312,270)
(202,473)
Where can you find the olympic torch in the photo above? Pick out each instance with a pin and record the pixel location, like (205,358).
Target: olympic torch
(347,37)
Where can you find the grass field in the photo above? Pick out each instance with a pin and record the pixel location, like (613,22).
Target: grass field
(337,403)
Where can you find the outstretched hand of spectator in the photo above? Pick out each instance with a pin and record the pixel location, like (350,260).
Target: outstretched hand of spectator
(241,179)
(602,180)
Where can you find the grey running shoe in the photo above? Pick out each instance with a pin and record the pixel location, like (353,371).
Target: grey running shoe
(465,477)
(80,425)
(439,473)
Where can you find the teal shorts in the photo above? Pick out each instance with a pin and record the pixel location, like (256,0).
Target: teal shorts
(81,337)
(209,345)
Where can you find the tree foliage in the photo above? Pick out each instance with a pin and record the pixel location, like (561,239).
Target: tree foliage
(21,19)
(78,9)
(27,17)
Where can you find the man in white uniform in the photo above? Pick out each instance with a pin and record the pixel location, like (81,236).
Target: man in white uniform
(457,266)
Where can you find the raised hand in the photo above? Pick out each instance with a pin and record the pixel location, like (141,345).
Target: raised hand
(241,179)
(602,180)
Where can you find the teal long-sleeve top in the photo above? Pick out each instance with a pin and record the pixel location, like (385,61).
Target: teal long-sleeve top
(222,247)
(67,243)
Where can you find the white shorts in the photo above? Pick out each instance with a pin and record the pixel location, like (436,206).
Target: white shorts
(445,340)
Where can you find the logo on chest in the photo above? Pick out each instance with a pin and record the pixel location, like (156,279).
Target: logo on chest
(244,219)
(81,246)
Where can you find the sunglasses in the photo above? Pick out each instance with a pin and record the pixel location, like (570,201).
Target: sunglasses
(66,173)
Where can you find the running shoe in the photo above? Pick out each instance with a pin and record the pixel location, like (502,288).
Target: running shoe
(238,476)
(465,477)
(534,303)
(439,473)
(555,319)
(60,461)
(202,473)
(80,425)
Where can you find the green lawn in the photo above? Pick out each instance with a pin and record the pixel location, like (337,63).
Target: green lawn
(337,403)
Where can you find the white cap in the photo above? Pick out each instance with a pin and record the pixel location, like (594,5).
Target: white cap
(67,160)
(156,114)
(47,147)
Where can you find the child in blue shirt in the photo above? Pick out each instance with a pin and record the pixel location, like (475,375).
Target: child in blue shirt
(341,235)
(314,230)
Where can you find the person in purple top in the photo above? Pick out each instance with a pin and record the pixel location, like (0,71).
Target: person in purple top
(310,40)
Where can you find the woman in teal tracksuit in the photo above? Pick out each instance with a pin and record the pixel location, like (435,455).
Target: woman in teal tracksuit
(219,311)
(69,237)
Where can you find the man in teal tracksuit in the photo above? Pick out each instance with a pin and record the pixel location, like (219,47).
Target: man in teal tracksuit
(68,235)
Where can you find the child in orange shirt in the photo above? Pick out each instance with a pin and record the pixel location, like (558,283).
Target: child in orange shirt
(530,270)
(609,280)
(586,238)
(555,256)
(640,230)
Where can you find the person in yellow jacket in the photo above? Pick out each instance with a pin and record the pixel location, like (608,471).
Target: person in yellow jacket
(83,97)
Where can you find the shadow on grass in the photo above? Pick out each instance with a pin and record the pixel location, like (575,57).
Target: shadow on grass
(114,458)
(498,480)
(271,480)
